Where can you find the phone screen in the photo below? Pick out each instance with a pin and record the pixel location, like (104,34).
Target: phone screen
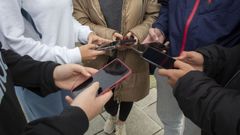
(108,76)
(158,58)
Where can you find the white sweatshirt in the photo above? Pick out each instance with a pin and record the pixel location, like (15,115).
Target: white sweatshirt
(53,19)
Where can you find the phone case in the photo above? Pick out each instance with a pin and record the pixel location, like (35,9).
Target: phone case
(117,82)
(120,80)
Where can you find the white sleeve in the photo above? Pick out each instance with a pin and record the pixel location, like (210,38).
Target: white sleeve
(12,35)
(81,31)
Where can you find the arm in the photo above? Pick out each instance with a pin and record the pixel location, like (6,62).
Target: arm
(162,21)
(81,15)
(39,75)
(151,13)
(72,121)
(12,29)
(214,108)
(81,32)
(217,60)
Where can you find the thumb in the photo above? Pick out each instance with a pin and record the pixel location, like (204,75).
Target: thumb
(129,34)
(182,56)
(164,72)
(82,70)
(180,65)
(94,88)
(102,99)
(91,46)
(68,99)
(153,34)
(90,70)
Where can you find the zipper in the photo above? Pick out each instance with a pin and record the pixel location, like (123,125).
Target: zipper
(188,23)
(231,79)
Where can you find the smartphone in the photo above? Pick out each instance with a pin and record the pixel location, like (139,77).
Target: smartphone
(116,44)
(108,77)
(158,58)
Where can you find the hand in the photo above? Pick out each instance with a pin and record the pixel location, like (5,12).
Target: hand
(89,52)
(88,101)
(117,36)
(195,59)
(94,39)
(68,76)
(154,35)
(174,74)
(130,34)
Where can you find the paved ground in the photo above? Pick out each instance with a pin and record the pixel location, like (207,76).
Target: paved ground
(143,119)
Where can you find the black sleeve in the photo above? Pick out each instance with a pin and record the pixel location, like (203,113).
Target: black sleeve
(72,121)
(220,63)
(213,108)
(26,72)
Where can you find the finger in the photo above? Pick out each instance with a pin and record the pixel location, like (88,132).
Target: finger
(119,36)
(164,72)
(146,40)
(114,38)
(129,34)
(68,99)
(90,70)
(80,69)
(104,98)
(96,53)
(90,40)
(94,88)
(153,35)
(180,65)
(105,41)
(182,56)
(92,46)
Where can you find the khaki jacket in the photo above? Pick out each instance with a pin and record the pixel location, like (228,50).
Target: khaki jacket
(137,17)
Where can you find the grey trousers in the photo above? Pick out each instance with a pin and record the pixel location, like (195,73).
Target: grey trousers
(173,119)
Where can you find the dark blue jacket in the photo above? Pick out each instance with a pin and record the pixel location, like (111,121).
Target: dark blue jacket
(189,24)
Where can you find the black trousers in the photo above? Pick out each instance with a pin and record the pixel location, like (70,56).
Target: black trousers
(112,108)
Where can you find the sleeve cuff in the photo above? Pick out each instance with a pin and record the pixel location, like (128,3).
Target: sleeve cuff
(49,79)
(75,55)
(83,34)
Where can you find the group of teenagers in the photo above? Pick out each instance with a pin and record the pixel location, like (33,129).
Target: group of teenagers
(41,63)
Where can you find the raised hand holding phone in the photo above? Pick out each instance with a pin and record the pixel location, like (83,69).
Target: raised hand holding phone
(88,101)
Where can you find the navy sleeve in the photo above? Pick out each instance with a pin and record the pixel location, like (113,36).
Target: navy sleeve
(162,21)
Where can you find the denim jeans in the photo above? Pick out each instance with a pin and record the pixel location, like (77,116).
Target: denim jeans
(175,123)
(35,106)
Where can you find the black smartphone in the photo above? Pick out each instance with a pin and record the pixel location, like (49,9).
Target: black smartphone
(158,58)
(108,77)
(116,44)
